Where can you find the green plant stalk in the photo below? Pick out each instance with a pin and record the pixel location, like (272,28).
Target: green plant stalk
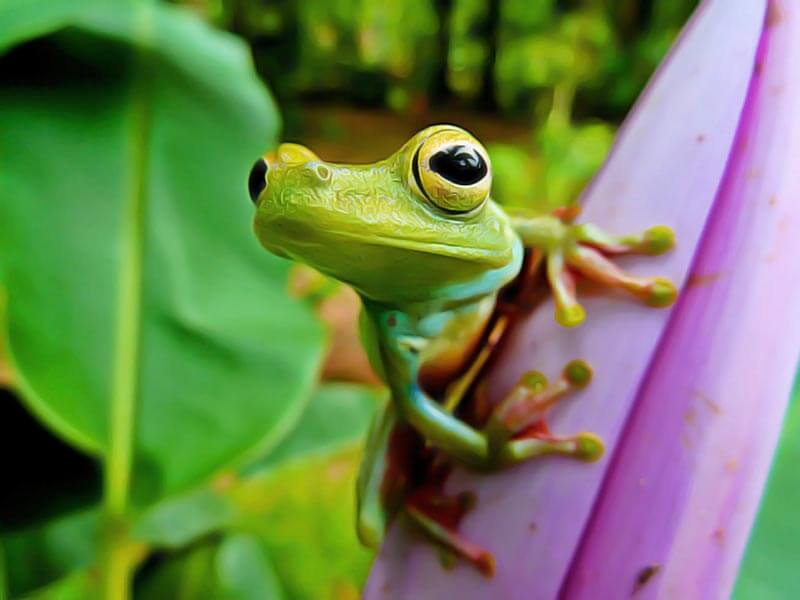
(120,556)
(563,98)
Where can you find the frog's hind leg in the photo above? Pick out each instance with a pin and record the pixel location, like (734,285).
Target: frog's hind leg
(438,517)
(372,512)
(517,430)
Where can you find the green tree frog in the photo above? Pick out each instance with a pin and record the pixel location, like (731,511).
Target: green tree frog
(419,238)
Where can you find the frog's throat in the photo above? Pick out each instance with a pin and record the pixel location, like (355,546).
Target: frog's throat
(442,298)
(493,257)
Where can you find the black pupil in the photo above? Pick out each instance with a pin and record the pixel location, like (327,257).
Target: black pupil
(257,180)
(460,164)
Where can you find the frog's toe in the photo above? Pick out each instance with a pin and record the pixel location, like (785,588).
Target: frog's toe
(451,540)
(654,291)
(529,400)
(585,446)
(652,241)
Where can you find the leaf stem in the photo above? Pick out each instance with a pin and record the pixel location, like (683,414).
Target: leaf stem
(118,561)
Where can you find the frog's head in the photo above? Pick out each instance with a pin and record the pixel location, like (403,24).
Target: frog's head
(403,228)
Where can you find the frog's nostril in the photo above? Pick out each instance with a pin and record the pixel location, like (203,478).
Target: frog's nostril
(258,179)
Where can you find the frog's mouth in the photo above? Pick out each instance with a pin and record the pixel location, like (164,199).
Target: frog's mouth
(283,233)
(489,256)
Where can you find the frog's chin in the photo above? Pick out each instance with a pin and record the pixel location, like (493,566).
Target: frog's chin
(299,240)
(493,257)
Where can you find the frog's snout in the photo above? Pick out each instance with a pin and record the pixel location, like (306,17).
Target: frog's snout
(258,179)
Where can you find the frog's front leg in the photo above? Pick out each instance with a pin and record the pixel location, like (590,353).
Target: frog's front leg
(517,426)
(438,426)
(444,430)
(584,248)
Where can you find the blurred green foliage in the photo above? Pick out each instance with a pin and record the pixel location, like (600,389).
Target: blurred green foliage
(570,69)
(145,327)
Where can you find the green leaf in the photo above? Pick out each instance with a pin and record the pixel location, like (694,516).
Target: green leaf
(80,585)
(244,571)
(338,415)
(304,513)
(136,292)
(184,576)
(769,569)
(179,521)
(39,555)
(335,420)
(22,20)
(235,568)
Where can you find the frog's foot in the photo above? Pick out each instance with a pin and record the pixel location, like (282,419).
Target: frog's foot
(517,430)
(584,248)
(438,517)
(586,253)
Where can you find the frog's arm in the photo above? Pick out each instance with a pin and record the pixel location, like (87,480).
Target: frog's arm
(399,355)
(584,248)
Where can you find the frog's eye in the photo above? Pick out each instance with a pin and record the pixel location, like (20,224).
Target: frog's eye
(451,169)
(258,179)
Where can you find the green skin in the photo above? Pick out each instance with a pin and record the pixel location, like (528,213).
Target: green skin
(428,278)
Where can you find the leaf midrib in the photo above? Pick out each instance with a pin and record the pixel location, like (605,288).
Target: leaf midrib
(127,324)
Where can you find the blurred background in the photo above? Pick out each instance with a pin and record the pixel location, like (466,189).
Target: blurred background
(175,402)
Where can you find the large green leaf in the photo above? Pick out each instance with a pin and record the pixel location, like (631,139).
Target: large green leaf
(337,417)
(139,304)
(769,569)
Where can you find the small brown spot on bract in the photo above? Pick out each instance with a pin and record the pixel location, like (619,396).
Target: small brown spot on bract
(689,416)
(645,576)
(732,465)
(392,320)
(774,15)
(697,279)
(773,200)
(752,173)
(533,527)
(718,535)
(712,406)
(701,137)
(743,143)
